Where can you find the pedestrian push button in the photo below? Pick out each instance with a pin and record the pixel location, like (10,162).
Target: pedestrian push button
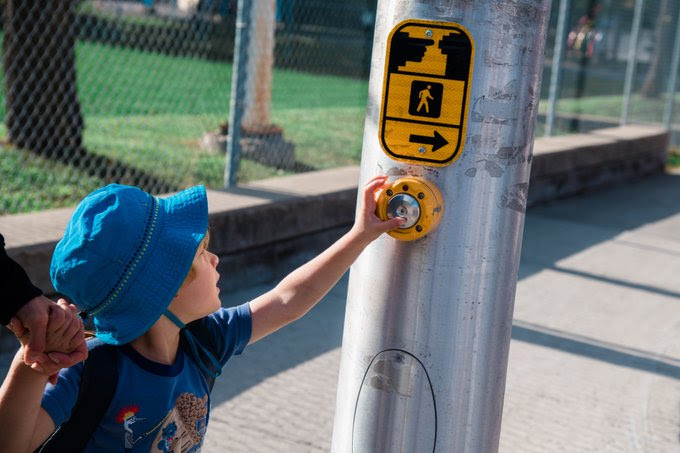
(417,200)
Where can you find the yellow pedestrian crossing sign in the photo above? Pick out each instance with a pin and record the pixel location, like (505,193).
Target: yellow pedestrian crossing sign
(426,89)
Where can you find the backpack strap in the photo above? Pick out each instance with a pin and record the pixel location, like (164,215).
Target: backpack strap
(97,386)
(199,329)
(98,383)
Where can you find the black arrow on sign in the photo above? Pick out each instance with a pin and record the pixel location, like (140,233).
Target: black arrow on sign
(437,141)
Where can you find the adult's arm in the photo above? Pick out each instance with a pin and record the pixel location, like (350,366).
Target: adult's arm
(17,289)
(37,316)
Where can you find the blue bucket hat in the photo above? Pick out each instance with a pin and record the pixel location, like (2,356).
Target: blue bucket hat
(125,254)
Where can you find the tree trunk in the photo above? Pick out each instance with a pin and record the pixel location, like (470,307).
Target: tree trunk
(43,112)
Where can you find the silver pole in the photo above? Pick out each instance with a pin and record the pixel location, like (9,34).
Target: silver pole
(632,55)
(556,67)
(428,322)
(673,78)
(238,88)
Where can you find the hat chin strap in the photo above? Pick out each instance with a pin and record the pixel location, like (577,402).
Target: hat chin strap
(195,346)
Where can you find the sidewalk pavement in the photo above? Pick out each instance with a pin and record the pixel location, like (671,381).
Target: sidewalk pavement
(595,353)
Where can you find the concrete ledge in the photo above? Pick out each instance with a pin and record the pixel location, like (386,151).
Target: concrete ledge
(570,164)
(276,224)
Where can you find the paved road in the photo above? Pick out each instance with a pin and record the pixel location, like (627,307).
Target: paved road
(595,353)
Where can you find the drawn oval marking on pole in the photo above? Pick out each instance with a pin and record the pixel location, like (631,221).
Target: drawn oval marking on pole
(392,380)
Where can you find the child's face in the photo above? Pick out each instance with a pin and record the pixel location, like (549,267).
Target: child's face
(199,294)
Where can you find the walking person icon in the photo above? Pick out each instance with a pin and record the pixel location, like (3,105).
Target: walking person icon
(424,95)
(426,98)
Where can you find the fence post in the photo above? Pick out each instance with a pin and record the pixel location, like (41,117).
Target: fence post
(238,84)
(452,101)
(632,56)
(672,79)
(556,67)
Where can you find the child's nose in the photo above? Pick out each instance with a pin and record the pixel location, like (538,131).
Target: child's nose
(214,259)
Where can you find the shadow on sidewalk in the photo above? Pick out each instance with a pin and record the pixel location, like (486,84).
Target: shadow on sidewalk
(593,218)
(313,335)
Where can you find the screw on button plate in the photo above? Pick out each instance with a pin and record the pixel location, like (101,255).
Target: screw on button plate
(389,192)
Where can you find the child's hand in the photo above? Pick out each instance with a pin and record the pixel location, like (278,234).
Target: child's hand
(367,224)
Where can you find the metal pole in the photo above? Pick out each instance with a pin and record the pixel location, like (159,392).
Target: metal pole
(673,78)
(556,67)
(238,85)
(428,322)
(632,55)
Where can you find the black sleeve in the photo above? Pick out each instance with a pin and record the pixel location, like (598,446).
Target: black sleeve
(17,289)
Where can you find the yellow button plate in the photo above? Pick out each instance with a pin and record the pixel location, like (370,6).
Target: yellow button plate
(421,219)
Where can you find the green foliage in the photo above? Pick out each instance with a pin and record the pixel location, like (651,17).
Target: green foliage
(674,157)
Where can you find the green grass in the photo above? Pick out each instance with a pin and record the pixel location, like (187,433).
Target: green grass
(641,109)
(31,183)
(611,106)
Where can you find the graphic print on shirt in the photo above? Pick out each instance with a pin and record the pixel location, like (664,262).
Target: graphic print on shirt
(128,416)
(183,429)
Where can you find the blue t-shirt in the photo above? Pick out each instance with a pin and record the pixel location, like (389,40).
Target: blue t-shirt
(156,407)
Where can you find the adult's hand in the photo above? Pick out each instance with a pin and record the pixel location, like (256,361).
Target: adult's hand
(64,342)
(41,320)
(33,318)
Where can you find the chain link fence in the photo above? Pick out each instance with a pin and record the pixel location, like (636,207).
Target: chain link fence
(615,64)
(140,92)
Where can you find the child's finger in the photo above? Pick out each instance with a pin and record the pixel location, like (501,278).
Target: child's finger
(68,360)
(393,223)
(370,189)
(376,178)
(375,182)
(58,357)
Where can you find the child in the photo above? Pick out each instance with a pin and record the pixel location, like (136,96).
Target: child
(140,268)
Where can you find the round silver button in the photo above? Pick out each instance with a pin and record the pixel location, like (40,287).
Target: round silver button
(406,206)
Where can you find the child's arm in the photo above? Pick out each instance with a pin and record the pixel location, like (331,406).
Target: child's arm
(25,425)
(307,285)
